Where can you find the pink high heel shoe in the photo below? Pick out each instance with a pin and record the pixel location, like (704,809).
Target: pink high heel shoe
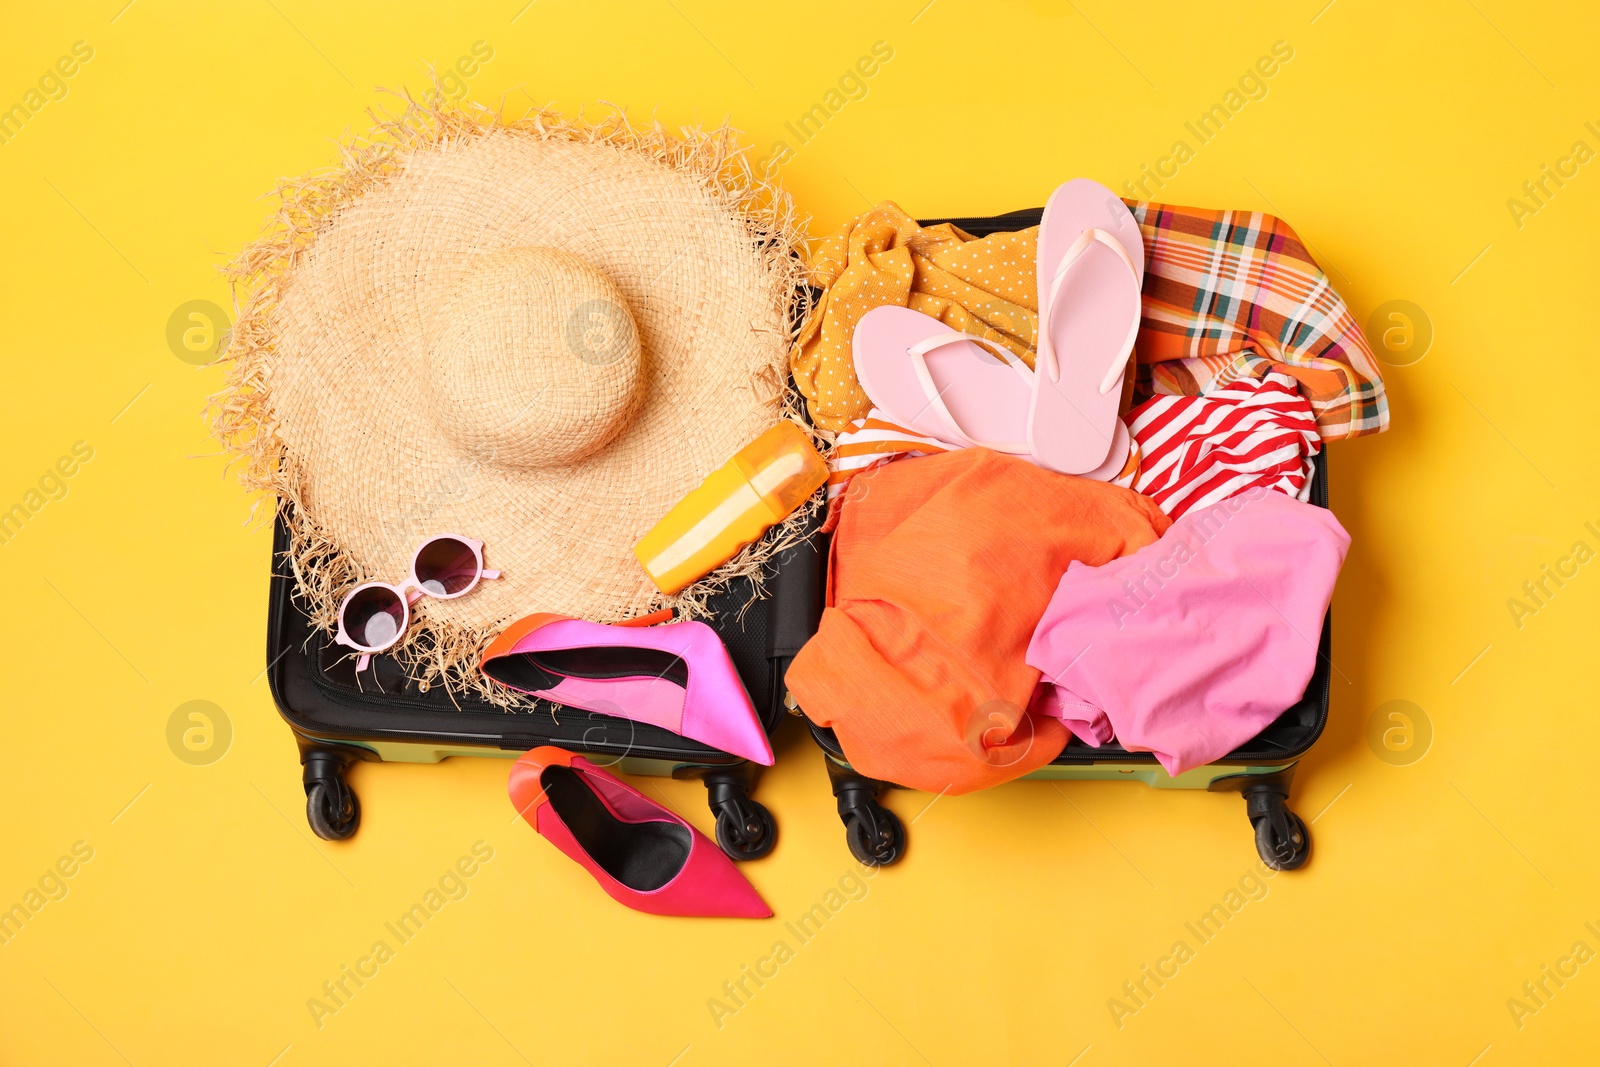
(677,676)
(642,854)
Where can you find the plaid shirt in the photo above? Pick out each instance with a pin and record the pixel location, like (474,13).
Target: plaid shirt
(1235,294)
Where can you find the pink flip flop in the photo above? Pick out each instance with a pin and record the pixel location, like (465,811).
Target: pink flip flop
(1116,459)
(1091,270)
(943,383)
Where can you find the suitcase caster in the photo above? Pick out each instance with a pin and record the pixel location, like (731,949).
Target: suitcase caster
(745,828)
(875,834)
(1282,840)
(331,805)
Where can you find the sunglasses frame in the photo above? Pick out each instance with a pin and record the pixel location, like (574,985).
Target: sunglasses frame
(408,592)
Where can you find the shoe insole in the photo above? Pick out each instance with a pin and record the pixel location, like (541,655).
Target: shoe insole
(532,671)
(643,856)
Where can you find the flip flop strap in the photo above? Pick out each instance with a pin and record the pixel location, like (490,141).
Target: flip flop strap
(919,363)
(1047,348)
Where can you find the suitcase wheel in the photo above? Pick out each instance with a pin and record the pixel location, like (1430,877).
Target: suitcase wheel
(875,834)
(1282,840)
(331,805)
(745,828)
(746,831)
(332,810)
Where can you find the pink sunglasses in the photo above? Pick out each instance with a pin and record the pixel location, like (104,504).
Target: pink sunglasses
(374,615)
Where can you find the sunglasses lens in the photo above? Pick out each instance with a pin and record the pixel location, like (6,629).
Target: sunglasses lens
(446,566)
(372,617)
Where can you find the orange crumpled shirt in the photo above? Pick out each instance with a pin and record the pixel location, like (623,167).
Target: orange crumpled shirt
(939,572)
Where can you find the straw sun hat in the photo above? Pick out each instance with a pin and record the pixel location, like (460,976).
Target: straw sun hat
(537,333)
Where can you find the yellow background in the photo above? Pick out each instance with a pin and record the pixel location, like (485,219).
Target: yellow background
(209,914)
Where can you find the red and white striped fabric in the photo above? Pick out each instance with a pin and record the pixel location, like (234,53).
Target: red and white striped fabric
(1198,450)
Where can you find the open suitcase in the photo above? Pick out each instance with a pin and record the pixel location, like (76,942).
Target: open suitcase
(386,718)
(336,722)
(1261,770)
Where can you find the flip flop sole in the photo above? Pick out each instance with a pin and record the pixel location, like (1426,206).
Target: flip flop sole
(1071,423)
(1116,459)
(987,398)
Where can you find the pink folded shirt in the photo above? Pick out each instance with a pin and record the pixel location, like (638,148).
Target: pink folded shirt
(1192,645)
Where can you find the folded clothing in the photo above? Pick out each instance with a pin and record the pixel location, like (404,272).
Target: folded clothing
(873,440)
(1227,295)
(882,257)
(867,442)
(939,571)
(1192,645)
(1197,450)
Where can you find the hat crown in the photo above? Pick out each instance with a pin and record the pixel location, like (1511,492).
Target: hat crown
(534,359)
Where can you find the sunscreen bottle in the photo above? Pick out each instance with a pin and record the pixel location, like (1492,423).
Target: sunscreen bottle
(758,488)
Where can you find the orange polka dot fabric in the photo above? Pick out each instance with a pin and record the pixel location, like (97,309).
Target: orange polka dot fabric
(983,286)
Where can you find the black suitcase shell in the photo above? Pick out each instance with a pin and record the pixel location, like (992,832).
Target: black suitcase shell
(337,720)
